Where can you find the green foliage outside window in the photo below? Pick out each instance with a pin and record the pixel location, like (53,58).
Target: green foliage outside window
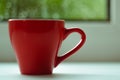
(54,9)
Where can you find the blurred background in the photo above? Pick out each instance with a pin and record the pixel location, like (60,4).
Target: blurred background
(55,9)
(98,18)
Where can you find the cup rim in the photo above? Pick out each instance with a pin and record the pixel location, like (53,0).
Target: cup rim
(36,20)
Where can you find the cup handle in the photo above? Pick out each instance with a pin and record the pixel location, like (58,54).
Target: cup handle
(59,59)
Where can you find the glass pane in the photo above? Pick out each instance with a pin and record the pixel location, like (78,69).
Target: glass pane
(54,9)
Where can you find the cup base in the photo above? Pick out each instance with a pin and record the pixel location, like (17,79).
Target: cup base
(45,73)
(36,73)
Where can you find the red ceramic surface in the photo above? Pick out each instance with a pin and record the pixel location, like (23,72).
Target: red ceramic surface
(36,44)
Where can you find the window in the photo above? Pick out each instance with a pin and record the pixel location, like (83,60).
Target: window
(103,41)
(91,10)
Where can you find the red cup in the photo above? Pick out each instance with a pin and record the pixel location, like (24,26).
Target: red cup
(36,43)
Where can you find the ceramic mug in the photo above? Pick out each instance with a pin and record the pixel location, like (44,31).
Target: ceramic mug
(36,43)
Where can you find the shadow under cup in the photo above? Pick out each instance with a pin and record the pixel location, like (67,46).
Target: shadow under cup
(36,44)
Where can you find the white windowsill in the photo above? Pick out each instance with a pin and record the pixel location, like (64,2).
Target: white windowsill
(66,71)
